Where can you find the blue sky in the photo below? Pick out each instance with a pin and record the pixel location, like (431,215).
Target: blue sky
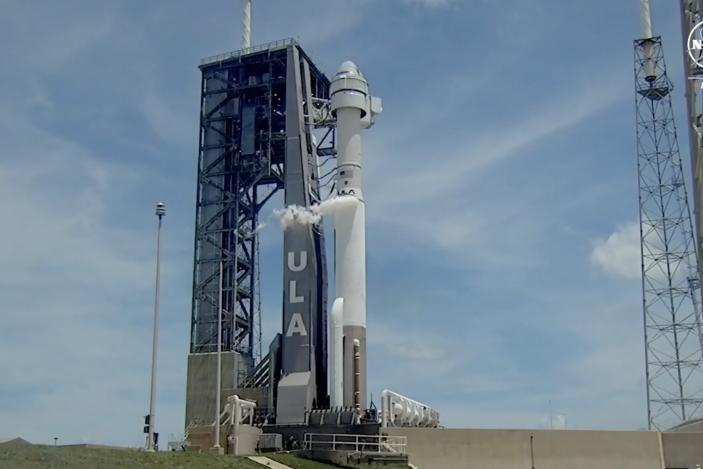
(500,185)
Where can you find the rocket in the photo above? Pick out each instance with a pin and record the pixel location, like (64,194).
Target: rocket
(354,110)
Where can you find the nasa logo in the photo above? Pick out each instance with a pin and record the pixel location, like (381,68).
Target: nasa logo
(695,44)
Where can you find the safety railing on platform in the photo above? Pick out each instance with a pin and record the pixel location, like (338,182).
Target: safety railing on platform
(356,443)
(238,53)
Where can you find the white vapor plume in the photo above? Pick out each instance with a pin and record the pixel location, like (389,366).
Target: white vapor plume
(249,234)
(297,215)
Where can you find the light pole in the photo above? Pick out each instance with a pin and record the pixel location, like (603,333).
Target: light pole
(160,212)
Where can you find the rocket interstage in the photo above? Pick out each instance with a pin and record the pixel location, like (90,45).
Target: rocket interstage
(354,110)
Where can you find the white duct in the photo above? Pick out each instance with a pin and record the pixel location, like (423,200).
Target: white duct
(246,24)
(401,411)
(646,19)
(240,411)
(650,65)
(357,376)
(336,355)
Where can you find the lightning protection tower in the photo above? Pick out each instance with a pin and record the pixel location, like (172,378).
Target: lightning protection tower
(670,283)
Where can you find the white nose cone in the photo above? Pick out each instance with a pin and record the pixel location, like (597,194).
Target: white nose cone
(349,68)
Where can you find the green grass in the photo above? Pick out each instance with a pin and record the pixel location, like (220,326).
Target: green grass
(48,457)
(21,456)
(297,462)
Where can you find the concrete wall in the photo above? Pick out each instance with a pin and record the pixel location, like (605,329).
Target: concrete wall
(596,449)
(201,384)
(683,450)
(692,426)
(245,442)
(526,449)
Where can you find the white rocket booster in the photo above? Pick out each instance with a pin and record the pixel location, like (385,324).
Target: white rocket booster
(336,353)
(354,109)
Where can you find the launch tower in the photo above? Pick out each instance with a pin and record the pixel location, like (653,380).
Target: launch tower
(670,283)
(256,123)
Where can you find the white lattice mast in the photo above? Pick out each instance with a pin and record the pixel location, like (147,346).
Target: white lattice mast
(670,285)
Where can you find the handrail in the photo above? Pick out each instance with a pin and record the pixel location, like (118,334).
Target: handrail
(238,53)
(356,443)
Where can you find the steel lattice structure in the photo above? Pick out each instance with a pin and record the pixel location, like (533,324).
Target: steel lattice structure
(256,122)
(670,283)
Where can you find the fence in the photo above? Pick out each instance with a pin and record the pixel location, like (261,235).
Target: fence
(281,43)
(356,443)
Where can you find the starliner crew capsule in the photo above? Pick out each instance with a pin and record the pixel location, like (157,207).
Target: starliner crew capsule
(354,109)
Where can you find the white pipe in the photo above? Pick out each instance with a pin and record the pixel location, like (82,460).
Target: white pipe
(650,66)
(646,19)
(236,405)
(336,359)
(357,376)
(401,411)
(246,24)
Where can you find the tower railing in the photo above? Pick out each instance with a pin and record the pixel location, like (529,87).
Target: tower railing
(281,43)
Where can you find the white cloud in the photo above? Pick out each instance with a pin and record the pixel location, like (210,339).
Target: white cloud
(619,254)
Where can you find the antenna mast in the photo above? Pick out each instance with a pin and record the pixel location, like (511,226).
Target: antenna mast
(246,24)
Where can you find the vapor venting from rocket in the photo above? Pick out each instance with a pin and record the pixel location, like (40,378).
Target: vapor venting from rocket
(296,215)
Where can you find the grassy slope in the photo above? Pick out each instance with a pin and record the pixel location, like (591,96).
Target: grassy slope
(49,457)
(19,456)
(297,462)
(301,463)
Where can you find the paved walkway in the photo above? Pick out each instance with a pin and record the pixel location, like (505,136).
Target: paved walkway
(268,462)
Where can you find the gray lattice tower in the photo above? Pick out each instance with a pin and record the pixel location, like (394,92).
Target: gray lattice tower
(255,139)
(670,285)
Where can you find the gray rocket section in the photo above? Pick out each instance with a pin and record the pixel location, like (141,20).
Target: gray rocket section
(303,367)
